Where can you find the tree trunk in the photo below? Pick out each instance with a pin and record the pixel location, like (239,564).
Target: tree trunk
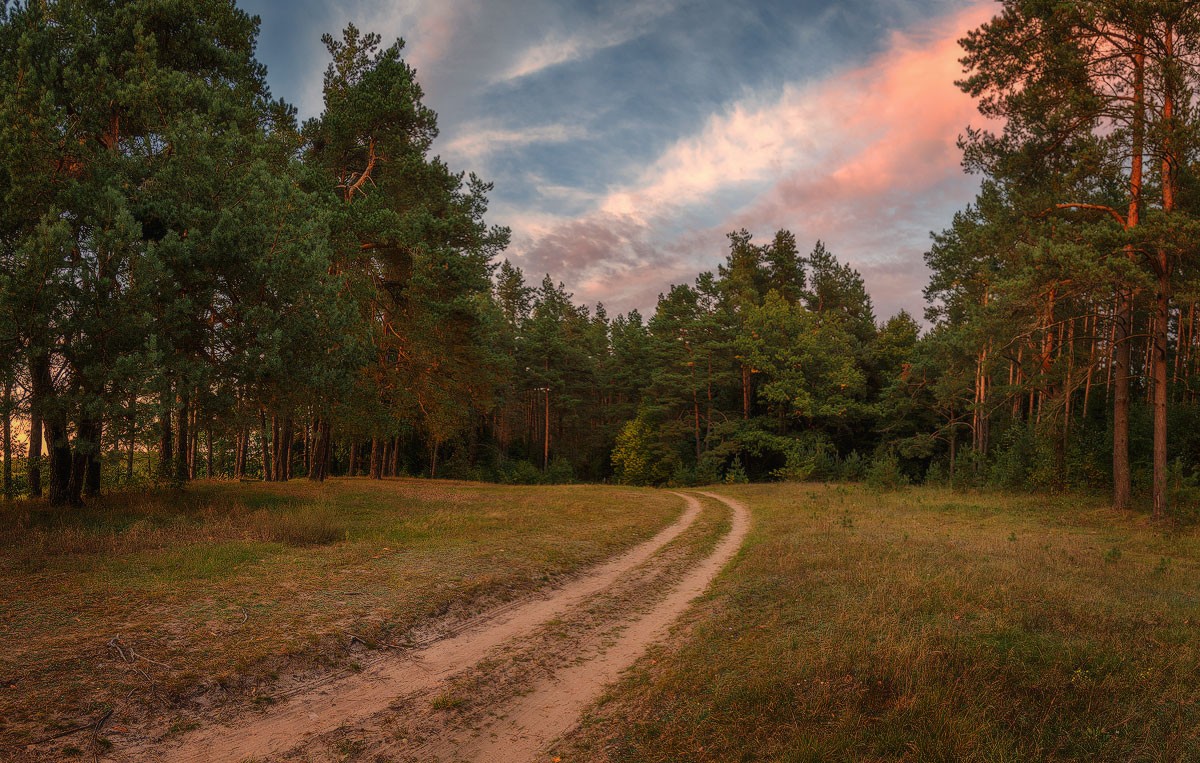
(87,441)
(95,461)
(288,438)
(266,445)
(353,459)
(745,392)
(239,457)
(60,462)
(34,454)
(54,422)
(183,439)
(319,461)
(131,419)
(376,459)
(1161,390)
(193,441)
(546,440)
(6,422)
(1122,317)
(1162,313)
(166,445)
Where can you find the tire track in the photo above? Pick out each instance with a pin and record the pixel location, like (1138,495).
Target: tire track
(325,706)
(553,707)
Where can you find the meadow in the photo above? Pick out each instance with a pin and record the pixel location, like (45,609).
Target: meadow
(854,624)
(148,603)
(929,625)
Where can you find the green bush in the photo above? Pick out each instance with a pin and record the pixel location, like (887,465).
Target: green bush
(559,472)
(520,473)
(735,473)
(885,472)
(852,468)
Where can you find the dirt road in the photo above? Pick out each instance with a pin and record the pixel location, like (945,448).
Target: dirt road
(500,687)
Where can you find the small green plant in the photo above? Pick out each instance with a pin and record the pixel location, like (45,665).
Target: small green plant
(1112,555)
(447,702)
(885,473)
(735,474)
(1012,537)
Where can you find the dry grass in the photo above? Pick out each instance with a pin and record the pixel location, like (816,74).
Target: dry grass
(925,625)
(177,603)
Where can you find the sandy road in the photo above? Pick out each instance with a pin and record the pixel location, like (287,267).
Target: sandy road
(598,623)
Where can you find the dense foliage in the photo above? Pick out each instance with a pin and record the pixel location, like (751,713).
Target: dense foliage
(192,284)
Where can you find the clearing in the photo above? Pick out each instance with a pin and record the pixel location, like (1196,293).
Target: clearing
(425,621)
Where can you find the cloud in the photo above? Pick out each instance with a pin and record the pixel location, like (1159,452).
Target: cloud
(475,142)
(556,49)
(865,159)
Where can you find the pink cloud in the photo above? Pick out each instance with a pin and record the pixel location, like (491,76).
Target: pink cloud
(866,160)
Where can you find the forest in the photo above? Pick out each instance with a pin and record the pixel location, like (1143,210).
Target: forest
(195,285)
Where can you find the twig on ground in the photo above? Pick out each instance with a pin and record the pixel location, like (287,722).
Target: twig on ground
(75,729)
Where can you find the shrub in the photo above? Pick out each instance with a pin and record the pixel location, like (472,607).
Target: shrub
(852,468)
(735,474)
(885,472)
(559,472)
(520,473)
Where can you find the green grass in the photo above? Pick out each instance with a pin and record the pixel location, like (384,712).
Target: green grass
(925,625)
(215,592)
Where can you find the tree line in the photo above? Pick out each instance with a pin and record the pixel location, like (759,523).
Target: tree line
(195,284)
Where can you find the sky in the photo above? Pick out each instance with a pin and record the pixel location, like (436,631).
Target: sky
(626,139)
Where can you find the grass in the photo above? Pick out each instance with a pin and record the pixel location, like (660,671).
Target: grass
(924,625)
(172,602)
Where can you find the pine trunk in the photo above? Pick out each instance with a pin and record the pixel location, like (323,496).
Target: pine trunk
(6,434)
(183,439)
(1122,317)
(376,459)
(33,463)
(266,445)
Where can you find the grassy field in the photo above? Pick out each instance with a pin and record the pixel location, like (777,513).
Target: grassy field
(925,625)
(185,600)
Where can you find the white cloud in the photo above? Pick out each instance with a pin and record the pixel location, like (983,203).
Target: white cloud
(476,141)
(554,50)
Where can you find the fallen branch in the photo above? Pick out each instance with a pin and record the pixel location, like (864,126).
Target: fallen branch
(96,724)
(115,644)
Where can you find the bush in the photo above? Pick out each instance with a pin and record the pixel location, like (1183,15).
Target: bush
(808,457)
(559,472)
(631,457)
(852,468)
(735,474)
(885,472)
(520,473)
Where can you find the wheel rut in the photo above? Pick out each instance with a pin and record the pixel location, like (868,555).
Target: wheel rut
(500,687)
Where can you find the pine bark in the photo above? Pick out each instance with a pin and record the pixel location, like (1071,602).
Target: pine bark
(6,422)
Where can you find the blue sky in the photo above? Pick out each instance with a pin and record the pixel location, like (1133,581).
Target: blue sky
(626,138)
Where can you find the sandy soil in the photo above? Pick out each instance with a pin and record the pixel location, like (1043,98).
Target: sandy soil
(500,687)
